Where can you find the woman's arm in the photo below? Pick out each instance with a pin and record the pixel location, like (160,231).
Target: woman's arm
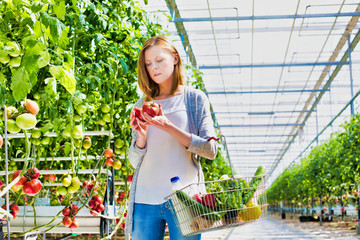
(200,110)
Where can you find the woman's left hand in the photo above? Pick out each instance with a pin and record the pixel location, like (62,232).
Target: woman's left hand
(159,121)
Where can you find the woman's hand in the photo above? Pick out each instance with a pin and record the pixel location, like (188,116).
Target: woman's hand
(159,121)
(140,127)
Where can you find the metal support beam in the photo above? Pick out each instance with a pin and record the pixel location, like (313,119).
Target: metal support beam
(262,125)
(269,91)
(249,113)
(262,135)
(266,17)
(266,65)
(174,11)
(238,143)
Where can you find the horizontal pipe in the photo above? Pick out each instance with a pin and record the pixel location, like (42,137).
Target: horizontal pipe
(81,171)
(300,111)
(262,135)
(269,91)
(246,143)
(64,158)
(264,65)
(53,134)
(261,125)
(266,17)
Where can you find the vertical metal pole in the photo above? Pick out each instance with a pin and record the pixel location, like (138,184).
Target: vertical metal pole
(6,172)
(351,77)
(317,126)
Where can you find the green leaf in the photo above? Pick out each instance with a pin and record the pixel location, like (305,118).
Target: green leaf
(36,6)
(59,9)
(56,27)
(57,72)
(69,82)
(124,66)
(36,54)
(50,88)
(20,84)
(46,128)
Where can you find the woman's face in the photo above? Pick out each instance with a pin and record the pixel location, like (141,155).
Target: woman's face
(160,63)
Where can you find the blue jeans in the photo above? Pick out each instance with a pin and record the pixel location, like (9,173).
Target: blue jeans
(150,221)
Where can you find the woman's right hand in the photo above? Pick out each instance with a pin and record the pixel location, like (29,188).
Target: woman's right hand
(138,125)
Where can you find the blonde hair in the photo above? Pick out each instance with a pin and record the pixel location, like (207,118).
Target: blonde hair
(147,85)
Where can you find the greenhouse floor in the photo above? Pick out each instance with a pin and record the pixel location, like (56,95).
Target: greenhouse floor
(273,227)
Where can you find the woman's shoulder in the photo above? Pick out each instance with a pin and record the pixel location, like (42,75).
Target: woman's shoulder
(195,93)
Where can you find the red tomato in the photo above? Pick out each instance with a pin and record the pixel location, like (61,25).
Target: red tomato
(1,140)
(14,207)
(34,173)
(138,114)
(22,180)
(108,153)
(33,187)
(92,204)
(32,107)
(97,199)
(75,208)
(109,161)
(66,221)
(74,224)
(66,211)
(151,108)
(100,208)
(129,178)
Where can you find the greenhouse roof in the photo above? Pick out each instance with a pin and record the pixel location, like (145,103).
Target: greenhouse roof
(277,73)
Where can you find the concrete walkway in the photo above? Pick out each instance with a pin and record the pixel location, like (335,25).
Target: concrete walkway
(269,229)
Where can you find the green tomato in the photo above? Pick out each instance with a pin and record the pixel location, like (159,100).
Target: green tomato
(11,112)
(66,180)
(77,132)
(107,117)
(62,190)
(119,143)
(15,62)
(101,122)
(35,141)
(67,131)
(35,133)
(105,108)
(12,127)
(81,109)
(77,118)
(37,96)
(45,141)
(4,57)
(54,202)
(26,121)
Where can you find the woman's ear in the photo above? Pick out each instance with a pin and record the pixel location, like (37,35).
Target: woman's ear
(176,59)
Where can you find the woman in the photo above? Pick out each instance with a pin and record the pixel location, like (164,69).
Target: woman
(166,145)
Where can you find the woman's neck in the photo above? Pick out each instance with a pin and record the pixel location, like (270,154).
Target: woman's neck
(166,92)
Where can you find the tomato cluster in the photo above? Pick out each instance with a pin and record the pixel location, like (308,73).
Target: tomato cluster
(96,204)
(14,208)
(69,184)
(30,183)
(109,161)
(69,219)
(120,198)
(24,119)
(89,186)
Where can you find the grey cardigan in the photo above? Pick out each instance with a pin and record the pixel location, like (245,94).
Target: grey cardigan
(201,129)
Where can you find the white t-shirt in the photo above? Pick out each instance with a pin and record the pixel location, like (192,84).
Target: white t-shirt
(165,157)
